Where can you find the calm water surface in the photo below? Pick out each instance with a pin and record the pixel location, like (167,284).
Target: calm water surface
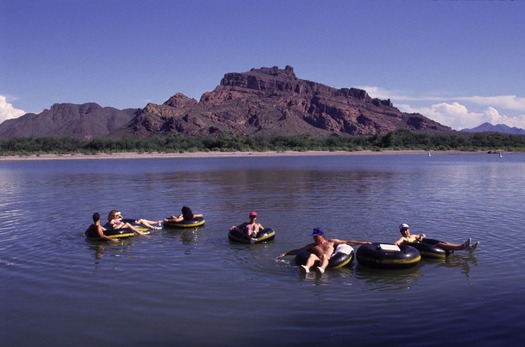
(194,287)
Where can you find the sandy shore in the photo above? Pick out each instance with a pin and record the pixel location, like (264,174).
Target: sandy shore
(153,155)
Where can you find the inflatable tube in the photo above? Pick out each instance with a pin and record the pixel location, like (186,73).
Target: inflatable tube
(238,235)
(428,249)
(197,222)
(112,234)
(387,256)
(342,256)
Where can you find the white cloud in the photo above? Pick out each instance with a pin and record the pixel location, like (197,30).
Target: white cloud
(454,115)
(458,112)
(7,111)
(507,102)
(458,116)
(494,117)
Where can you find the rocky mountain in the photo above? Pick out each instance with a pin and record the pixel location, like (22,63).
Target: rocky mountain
(265,101)
(273,101)
(499,128)
(81,121)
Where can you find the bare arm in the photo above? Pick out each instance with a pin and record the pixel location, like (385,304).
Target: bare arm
(240,226)
(400,241)
(100,230)
(295,251)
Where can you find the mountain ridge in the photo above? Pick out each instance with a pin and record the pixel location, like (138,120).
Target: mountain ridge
(86,120)
(272,102)
(498,128)
(267,101)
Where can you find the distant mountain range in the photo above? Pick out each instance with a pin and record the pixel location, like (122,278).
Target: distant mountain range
(265,101)
(499,128)
(86,120)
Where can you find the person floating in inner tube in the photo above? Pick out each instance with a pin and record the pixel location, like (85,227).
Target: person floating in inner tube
(147,223)
(406,237)
(186,215)
(322,249)
(96,230)
(116,222)
(251,228)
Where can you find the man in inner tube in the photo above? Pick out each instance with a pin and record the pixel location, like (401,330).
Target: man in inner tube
(321,250)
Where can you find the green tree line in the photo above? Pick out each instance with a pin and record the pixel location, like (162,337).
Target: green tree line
(398,140)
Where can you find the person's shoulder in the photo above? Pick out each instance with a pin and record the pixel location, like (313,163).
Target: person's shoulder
(91,230)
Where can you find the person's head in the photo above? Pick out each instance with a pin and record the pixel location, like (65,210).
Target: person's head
(253,215)
(96,217)
(186,210)
(112,215)
(404,229)
(318,234)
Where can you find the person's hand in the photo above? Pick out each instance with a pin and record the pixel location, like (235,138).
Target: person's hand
(114,240)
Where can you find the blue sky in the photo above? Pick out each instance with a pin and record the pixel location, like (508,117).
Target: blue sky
(460,63)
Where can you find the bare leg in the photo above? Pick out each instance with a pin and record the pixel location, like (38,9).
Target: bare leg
(324,262)
(453,246)
(135,230)
(311,260)
(151,222)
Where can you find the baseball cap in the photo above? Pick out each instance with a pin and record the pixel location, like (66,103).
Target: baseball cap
(318,231)
(403,226)
(253,214)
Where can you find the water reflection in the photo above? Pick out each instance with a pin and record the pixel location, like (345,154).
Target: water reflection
(192,278)
(185,236)
(103,249)
(387,279)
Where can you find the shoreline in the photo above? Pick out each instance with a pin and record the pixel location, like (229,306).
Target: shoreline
(213,154)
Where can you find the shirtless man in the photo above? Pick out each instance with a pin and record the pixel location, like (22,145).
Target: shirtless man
(322,249)
(97,230)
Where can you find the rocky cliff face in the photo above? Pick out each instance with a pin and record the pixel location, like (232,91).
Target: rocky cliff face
(273,101)
(265,101)
(81,121)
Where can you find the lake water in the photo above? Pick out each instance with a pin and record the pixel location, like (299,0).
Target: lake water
(196,288)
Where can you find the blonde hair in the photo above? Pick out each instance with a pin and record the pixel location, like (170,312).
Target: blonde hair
(112,215)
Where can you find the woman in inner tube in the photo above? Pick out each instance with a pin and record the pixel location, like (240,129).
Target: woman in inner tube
(147,223)
(251,228)
(115,222)
(406,237)
(186,215)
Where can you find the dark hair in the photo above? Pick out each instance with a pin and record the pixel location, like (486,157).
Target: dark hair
(96,217)
(187,214)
